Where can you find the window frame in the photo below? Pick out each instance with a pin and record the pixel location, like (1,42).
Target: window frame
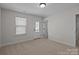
(20,25)
(37,25)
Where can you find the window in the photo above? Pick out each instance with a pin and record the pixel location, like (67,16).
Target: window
(20,25)
(37,26)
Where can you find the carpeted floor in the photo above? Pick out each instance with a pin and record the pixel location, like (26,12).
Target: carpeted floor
(38,47)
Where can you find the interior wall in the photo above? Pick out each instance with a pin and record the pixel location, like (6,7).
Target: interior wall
(0,27)
(62,27)
(9,27)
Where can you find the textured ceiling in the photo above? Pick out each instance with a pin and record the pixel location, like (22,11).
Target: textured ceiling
(33,8)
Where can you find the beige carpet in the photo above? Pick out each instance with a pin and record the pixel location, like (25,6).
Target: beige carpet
(38,47)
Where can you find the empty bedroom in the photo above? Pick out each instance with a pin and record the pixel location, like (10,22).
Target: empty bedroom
(39,28)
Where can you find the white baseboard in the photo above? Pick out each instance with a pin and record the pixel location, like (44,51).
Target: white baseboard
(66,43)
(11,43)
(19,41)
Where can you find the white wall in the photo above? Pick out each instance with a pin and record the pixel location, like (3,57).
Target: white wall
(62,27)
(0,27)
(9,28)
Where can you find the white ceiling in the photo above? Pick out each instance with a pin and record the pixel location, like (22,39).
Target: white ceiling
(33,8)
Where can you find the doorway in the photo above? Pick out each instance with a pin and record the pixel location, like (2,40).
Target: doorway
(40,29)
(77,30)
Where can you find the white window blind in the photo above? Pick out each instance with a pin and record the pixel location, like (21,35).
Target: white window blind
(20,25)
